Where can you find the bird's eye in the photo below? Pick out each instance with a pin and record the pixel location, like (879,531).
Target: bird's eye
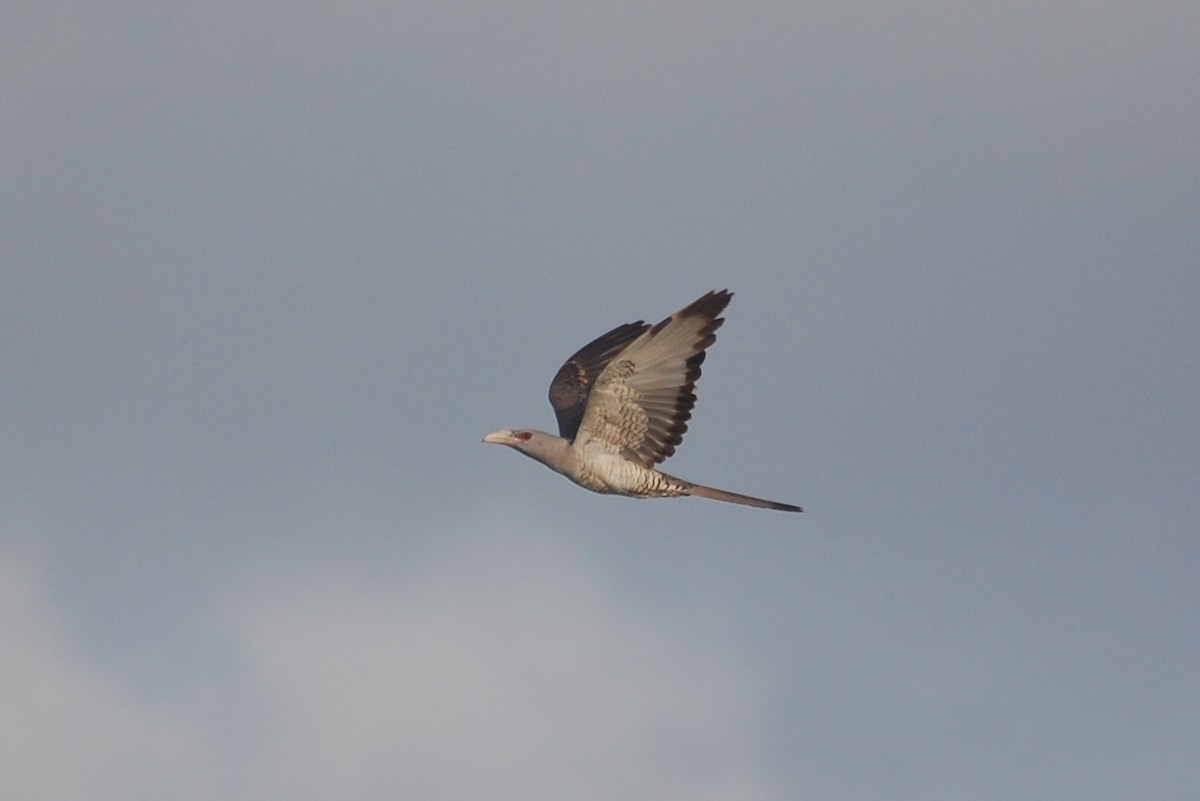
(523,435)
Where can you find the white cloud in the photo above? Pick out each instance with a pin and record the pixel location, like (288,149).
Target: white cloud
(73,730)
(504,670)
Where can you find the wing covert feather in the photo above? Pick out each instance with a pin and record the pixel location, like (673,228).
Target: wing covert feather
(641,402)
(573,382)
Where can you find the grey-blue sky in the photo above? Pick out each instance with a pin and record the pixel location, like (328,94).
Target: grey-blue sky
(270,273)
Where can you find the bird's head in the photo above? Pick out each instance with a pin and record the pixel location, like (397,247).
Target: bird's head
(545,448)
(509,437)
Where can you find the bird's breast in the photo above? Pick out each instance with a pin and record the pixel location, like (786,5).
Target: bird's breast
(614,474)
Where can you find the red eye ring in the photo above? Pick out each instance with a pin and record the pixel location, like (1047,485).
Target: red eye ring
(523,435)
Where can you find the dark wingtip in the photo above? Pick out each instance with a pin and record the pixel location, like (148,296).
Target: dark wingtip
(710,304)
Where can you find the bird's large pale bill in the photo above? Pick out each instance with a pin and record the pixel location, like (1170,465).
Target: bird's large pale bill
(499,438)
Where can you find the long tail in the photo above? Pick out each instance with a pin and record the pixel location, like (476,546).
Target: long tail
(701,491)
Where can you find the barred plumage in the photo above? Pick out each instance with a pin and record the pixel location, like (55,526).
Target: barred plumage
(623,402)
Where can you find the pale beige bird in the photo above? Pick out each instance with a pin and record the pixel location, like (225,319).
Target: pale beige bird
(623,402)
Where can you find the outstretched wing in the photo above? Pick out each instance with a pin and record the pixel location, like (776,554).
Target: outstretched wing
(573,381)
(641,401)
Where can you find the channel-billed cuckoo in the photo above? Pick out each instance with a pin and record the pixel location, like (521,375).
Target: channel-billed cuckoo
(623,402)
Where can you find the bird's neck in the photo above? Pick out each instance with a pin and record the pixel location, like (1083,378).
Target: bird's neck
(554,452)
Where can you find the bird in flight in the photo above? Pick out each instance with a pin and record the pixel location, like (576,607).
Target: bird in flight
(623,402)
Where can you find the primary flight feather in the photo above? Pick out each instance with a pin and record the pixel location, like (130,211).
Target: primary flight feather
(623,402)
